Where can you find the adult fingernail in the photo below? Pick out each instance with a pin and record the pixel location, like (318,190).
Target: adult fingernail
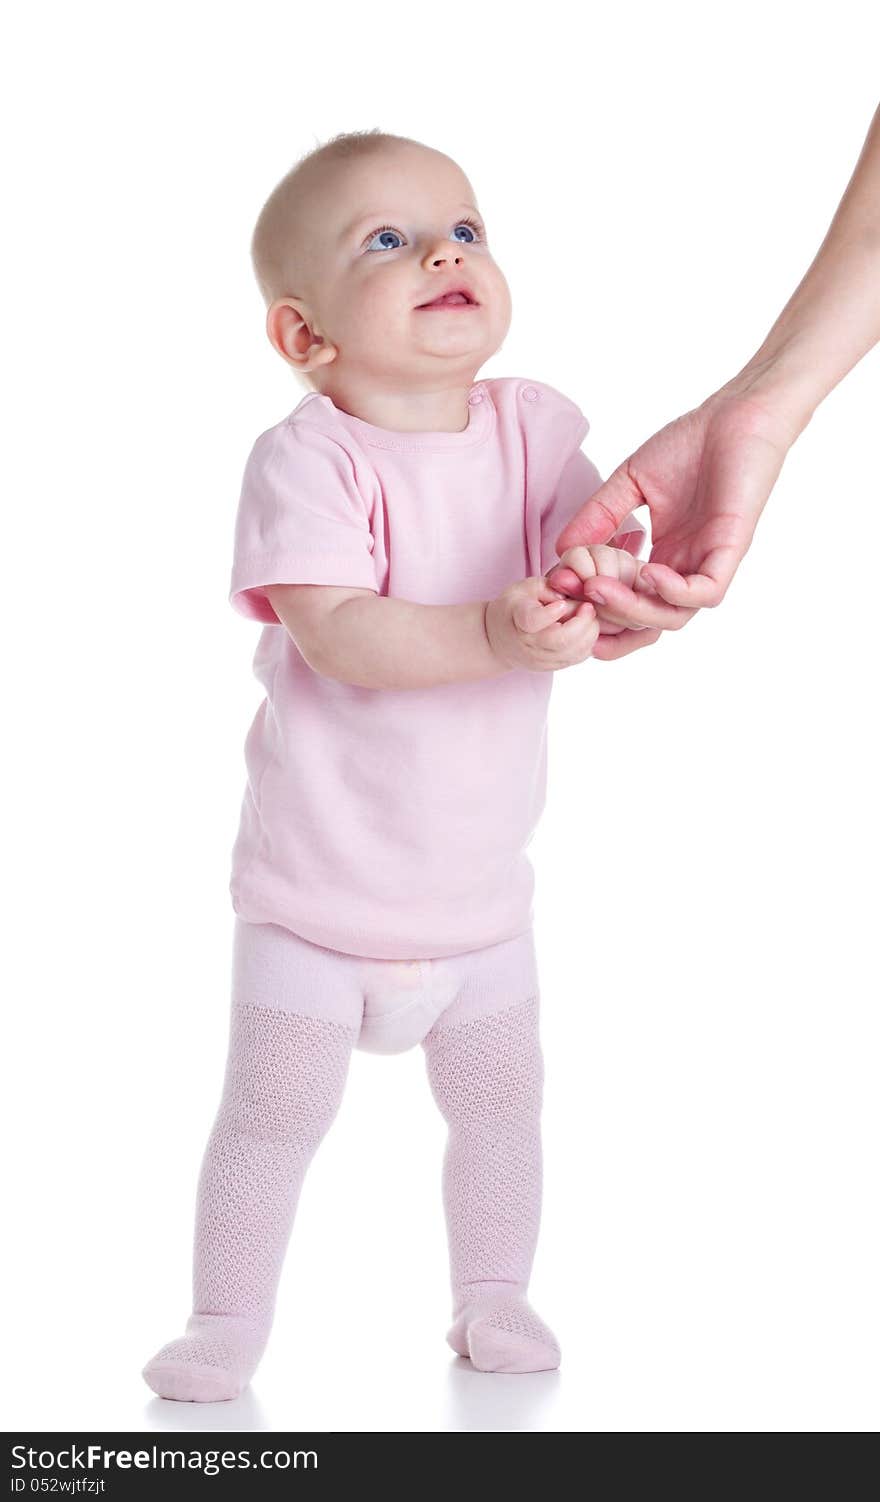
(596,598)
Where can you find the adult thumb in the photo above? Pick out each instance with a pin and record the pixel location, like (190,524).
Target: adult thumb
(600,516)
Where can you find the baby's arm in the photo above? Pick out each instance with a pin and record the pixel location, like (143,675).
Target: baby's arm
(373,641)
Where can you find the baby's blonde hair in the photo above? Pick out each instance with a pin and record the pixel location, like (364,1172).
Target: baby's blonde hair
(274,234)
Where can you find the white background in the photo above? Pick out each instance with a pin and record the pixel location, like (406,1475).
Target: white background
(655,182)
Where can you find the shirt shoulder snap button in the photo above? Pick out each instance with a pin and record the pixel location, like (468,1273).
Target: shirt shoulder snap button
(529,394)
(475,396)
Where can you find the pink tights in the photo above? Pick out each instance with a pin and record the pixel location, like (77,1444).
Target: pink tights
(297,1012)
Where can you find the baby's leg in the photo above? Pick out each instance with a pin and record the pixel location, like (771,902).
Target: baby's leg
(486,1075)
(284,1081)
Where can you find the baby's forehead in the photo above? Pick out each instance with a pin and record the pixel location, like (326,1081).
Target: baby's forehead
(388,178)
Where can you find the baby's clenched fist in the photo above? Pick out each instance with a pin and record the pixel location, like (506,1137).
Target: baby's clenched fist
(582,563)
(532,626)
(600,558)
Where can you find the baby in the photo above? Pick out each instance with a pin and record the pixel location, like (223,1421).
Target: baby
(392,536)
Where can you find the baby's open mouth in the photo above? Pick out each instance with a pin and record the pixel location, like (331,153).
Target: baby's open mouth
(450,300)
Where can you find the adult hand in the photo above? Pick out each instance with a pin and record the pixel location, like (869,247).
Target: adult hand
(705,478)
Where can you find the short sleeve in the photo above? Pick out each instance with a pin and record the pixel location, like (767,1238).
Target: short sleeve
(577,482)
(301,519)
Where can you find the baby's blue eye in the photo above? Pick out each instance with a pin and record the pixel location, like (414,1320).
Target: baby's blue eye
(386,234)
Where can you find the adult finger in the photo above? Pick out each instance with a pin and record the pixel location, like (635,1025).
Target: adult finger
(622,605)
(692,591)
(609,647)
(600,517)
(565,579)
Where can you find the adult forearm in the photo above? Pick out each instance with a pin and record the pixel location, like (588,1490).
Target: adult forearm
(379,642)
(833,317)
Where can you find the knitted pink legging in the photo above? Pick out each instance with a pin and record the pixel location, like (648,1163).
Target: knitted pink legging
(297,1012)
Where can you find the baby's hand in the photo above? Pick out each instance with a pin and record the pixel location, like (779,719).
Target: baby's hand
(587,562)
(577,564)
(525,630)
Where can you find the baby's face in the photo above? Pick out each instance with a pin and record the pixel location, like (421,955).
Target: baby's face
(386,235)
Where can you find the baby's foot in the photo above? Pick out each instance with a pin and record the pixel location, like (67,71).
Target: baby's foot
(504,1335)
(212,1362)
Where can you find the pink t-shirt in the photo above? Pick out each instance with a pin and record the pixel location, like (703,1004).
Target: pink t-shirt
(394,823)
